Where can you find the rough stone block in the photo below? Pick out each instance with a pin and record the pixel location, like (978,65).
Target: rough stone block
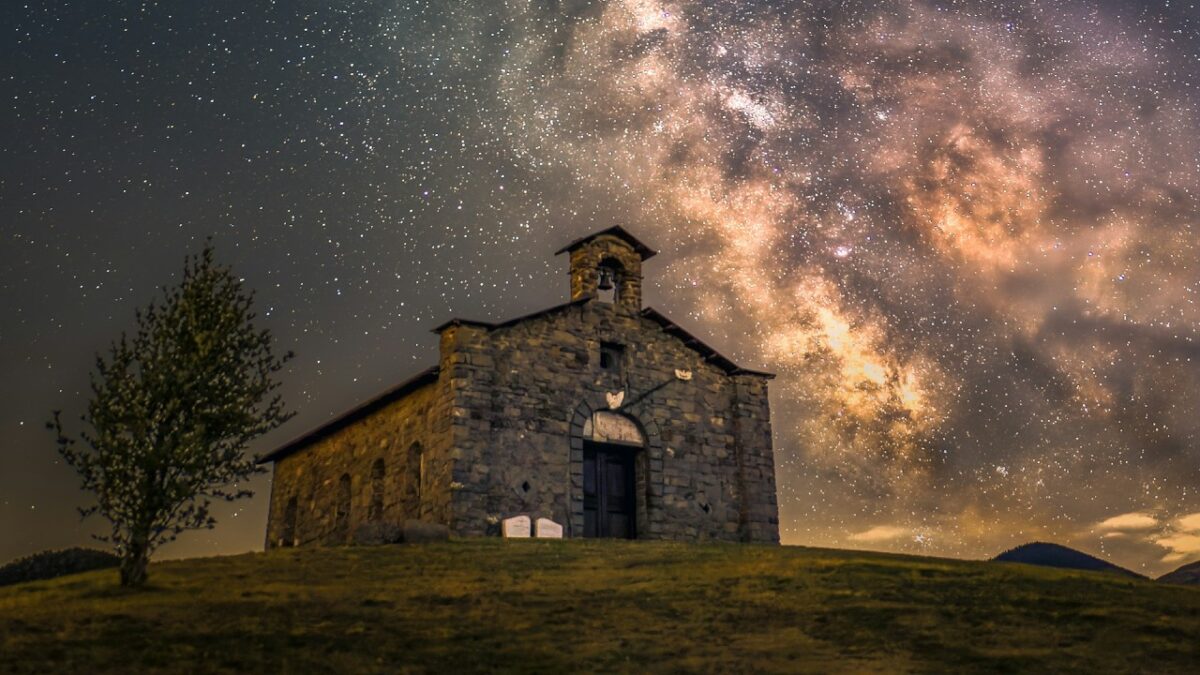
(378,534)
(420,532)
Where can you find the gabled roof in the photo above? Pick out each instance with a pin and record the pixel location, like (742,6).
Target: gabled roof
(427,376)
(615,231)
(711,355)
(430,375)
(670,327)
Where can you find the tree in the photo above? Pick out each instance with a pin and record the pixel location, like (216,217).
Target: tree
(172,411)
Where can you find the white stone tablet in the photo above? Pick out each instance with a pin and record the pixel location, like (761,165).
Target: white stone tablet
(548,529)
(517,526)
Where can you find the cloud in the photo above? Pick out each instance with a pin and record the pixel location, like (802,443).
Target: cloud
(879,533)
(1182,540)
(1180,546)
(1129,521)
(1188,523)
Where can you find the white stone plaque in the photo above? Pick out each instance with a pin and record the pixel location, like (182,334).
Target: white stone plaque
(548,529)
(517,526)
(607,427)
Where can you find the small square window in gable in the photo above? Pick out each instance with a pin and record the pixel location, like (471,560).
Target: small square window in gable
(611,356)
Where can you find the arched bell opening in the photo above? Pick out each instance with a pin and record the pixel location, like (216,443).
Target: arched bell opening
(610,276)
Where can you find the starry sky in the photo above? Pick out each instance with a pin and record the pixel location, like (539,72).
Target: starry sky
(965,234)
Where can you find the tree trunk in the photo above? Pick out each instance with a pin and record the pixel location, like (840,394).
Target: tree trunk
(134,562)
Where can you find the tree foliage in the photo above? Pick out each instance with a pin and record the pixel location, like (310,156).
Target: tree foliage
(172,411)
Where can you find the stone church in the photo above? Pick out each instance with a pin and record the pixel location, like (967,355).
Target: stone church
(599,414)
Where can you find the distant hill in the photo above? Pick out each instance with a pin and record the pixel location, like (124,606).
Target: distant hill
(1188,574)
(545,606)
(51,564)
(1056,555)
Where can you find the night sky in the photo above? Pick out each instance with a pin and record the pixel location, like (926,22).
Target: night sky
(965,234)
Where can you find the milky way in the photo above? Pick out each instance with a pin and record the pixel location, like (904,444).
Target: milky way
(966,238)
(964,234)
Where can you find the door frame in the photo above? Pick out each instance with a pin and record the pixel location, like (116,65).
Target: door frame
(628,460)
(648,469)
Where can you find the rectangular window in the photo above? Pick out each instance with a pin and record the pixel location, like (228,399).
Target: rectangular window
(610,356)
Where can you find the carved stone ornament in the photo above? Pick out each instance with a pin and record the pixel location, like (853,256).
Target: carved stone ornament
(615,399)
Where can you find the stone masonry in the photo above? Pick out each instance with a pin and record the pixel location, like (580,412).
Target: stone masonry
(499,426)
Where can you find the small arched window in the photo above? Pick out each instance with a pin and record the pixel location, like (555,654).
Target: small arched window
(375,513)
(287,537)
(415,479)
(342,512)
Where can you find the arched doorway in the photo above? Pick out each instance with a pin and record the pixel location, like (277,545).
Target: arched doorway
(613,453)
(630,432)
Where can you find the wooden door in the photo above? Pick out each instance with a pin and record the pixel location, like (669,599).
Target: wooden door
(608,492)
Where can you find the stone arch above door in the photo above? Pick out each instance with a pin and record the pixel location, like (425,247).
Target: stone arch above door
(605,426)
(583,427)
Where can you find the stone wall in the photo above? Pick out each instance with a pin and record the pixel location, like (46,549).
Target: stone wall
(707,473)
(759,515)
(392,434)
(467,371)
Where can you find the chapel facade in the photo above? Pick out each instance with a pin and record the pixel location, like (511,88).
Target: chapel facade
(599,414)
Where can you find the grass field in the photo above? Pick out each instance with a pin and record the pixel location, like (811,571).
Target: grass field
(554,606)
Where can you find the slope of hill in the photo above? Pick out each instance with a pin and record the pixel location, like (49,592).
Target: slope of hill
(1188,574)
(51,564)
(555,606)
(1056,555)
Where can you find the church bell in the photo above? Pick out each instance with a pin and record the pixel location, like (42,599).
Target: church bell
(606,279)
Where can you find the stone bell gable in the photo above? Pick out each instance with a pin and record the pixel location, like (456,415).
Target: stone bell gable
(601,415)
(611,253)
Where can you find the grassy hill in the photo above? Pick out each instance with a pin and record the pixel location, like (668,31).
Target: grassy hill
(552,606)
(1188,574)
(1057,555)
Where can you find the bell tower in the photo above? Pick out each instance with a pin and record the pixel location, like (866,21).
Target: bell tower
(607,266)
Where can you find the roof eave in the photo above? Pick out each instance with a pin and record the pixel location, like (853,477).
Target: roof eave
(509,322)
(462,322)
(710,355)
(421,379)
(615,231)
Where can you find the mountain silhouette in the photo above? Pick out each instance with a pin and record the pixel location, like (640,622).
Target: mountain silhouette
(1056,555)
(1188,574)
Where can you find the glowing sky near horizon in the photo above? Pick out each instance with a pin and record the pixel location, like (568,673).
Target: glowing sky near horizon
(965,234)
